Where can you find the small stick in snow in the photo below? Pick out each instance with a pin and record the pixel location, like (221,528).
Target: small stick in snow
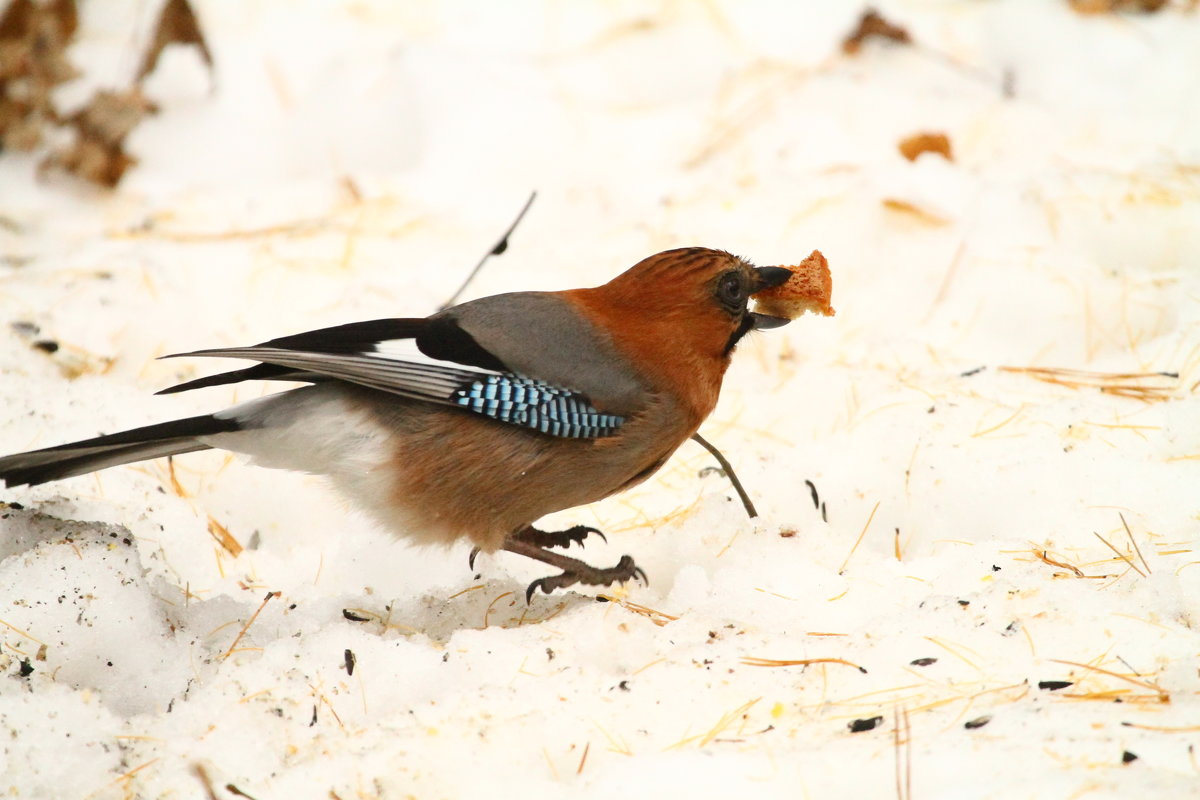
(250,622)
(1162,695)
(1133,541)
(902,736)
(858,541)
(224,537)
(752,661)
(583,760)
(1121,555)
(202,774)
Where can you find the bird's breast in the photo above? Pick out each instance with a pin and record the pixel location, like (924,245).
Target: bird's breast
(455,475)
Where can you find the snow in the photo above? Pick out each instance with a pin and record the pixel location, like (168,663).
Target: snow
(352,161)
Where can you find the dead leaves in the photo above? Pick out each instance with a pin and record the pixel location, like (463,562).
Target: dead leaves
(872,25)
(98,152)
(33,40)
(926,142)
(34,37)
(177,24)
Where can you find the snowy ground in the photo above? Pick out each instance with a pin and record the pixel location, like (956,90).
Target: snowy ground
(352,161)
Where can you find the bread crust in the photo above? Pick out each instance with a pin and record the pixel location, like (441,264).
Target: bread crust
(809,289)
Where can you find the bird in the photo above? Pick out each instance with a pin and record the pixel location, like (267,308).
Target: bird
(477,421)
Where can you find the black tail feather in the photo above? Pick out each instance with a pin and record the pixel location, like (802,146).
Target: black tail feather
(259,372)
(139,444)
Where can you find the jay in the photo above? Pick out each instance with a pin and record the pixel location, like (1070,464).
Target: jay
(506,409)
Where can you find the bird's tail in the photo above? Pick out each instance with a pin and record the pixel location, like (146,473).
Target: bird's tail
(79,458)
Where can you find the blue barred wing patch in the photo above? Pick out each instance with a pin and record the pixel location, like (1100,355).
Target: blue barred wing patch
(536,404)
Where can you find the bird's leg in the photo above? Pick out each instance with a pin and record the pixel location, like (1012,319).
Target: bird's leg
(564,539)
(573,570)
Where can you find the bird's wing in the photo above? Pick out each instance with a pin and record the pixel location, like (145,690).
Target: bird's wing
(444,364)
(356,337)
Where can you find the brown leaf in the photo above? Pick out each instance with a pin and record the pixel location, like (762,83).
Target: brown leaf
(20,125)
(16,21)
(926,142)
(872,24)
(98,154)
(93,161)
(33,41)
(110,116)
(177,24)
(66,15)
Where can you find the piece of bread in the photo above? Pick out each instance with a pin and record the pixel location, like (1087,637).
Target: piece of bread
(808,289)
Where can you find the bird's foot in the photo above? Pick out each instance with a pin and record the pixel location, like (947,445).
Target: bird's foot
(564,539)
(625,570)
(573,570)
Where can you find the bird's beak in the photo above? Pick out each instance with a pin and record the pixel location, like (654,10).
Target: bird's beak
(769,278)
(762,322)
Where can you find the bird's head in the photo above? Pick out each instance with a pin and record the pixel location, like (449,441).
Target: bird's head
(681,312)
(696,293)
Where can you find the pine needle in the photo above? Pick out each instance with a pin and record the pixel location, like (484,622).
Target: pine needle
(752,661)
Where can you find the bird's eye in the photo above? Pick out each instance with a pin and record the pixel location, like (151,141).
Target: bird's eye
(731,291)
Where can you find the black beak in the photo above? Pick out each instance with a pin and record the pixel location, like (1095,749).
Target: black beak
(764,323)
(770,277)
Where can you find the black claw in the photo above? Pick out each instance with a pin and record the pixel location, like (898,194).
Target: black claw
(471,558)
(632,571)
(540,583)
(580,533)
